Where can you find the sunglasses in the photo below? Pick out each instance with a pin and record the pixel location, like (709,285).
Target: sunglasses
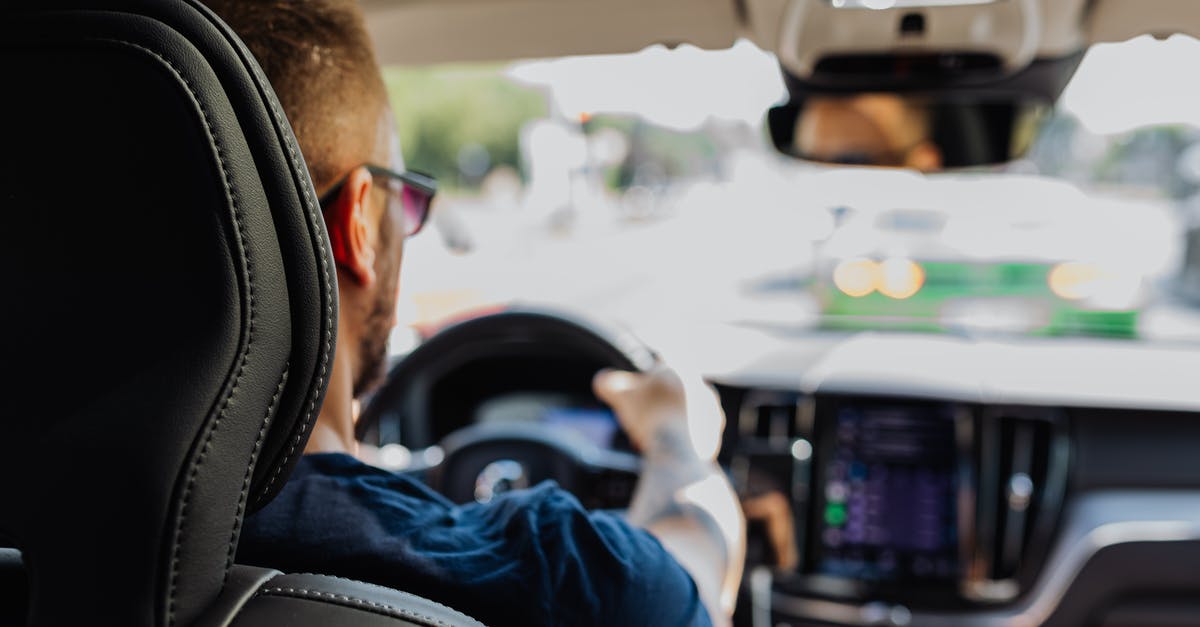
(413,190)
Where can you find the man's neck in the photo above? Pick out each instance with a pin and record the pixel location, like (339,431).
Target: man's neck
(334,429)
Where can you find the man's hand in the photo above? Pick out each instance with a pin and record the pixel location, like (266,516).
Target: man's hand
(682,498)
(660,413)
(646,404)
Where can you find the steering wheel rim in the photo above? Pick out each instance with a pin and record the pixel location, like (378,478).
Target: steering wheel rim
(578,463)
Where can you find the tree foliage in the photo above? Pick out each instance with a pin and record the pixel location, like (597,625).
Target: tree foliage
(443,110)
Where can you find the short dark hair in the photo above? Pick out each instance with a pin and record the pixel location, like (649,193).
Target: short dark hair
(320,61)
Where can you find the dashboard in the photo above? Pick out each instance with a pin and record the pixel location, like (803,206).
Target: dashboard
(942,489)
(574,416)
(529,388)
(892,479)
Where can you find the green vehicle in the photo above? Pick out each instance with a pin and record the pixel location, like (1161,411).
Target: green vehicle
(946,267)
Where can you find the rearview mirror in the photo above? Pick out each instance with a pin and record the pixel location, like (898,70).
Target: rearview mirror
(922,132)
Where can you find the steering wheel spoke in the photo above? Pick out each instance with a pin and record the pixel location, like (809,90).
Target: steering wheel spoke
(484,461)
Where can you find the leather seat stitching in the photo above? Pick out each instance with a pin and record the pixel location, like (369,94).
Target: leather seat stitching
(262,433)
(354,601)
(313,222)
(359,583)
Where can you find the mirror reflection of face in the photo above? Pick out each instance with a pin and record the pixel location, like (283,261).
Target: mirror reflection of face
(872,129)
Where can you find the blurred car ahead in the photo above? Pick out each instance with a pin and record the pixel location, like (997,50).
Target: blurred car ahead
(1025,255)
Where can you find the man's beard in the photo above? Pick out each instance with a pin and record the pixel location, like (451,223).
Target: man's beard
(372,353)
(373,348)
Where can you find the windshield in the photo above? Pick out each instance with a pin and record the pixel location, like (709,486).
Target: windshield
(642,188)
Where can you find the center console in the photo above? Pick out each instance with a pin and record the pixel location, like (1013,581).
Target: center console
(891,491)
(898,505)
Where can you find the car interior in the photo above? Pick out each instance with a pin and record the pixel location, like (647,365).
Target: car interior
(907,478)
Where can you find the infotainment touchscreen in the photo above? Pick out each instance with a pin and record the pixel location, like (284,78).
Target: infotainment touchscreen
(886,494)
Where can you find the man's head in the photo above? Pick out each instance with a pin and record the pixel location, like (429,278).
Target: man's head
(320,62)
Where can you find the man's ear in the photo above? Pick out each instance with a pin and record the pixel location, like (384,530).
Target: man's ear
(349,228)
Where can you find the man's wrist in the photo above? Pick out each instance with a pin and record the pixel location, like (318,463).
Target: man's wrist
(671,442)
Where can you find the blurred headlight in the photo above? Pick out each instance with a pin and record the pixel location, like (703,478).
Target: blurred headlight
(1094,286)
(900,278)
(1073,280)
(857,277)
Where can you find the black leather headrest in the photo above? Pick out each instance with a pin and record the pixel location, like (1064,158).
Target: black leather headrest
(169,306)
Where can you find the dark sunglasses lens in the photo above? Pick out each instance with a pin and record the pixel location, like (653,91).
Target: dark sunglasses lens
(416,208)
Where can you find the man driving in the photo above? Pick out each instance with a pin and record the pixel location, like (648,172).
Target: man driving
(531,556)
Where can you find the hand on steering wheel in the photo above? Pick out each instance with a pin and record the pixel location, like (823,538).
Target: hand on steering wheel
(645,403)
(643,393)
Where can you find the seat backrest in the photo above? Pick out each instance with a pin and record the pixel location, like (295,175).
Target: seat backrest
(169,314)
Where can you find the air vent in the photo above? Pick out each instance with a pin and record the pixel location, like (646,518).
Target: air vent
(771,418)
(772,447)
(768,457)
(1021,474)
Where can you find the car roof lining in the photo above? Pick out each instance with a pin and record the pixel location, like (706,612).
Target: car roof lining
(422,32)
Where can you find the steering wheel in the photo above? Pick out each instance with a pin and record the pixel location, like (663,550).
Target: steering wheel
(482,460)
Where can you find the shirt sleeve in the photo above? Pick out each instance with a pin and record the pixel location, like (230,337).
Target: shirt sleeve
(601,570)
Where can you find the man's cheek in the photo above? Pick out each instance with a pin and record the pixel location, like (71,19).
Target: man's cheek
(396,307)
(395,300)
(396,281)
